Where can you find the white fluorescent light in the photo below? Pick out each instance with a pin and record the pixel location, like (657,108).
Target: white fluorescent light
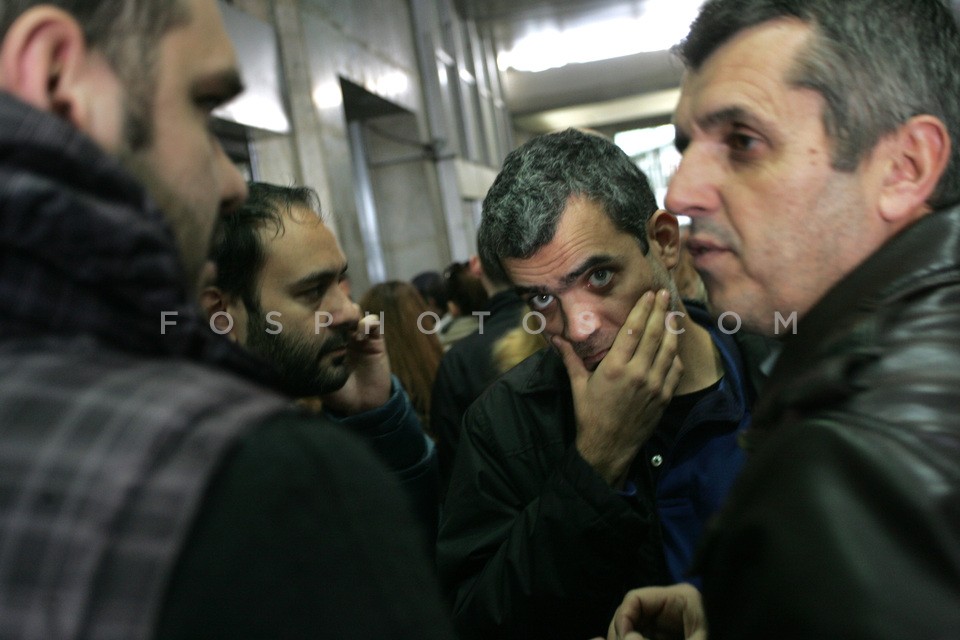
(637,141)
(663,24)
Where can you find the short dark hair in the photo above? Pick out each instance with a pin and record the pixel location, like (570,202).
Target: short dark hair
(431,287)
(237,247)
(522,208)
(464,289)
(877,63)
(128,34)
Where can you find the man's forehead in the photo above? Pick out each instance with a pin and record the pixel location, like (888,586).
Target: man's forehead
(301,239)
(741,80)
(201,43)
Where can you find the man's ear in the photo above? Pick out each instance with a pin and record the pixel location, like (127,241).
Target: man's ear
(222,312)
(45,62)
(914,159)
(475,267)
(663,234)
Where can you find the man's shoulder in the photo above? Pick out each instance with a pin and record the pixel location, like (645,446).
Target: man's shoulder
(541,372)
(529,404)
(163,387)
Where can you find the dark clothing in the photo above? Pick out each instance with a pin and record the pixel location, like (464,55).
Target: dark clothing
(465,372)
(395,434)
(328,549)
(846,521)
(114,424)
(535,544)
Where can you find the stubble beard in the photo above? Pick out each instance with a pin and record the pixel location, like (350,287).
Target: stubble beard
(299,362)
(191,229)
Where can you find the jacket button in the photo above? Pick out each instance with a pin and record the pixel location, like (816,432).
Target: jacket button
(656,460)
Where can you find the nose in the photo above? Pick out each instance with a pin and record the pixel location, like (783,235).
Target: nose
(343,310)
(580,320)
(233,188)
(693,188)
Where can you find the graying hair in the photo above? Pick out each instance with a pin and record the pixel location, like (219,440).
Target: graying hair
(523,207)
(877,63)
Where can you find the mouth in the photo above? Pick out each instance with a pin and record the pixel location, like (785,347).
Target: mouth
(591,362)
(702,250)
(336,351)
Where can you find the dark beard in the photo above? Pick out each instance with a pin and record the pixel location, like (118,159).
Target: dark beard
(298,361)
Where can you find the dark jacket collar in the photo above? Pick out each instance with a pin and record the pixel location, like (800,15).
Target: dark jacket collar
(84,251)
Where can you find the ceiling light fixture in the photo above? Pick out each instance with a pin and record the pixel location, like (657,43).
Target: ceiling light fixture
(662,24)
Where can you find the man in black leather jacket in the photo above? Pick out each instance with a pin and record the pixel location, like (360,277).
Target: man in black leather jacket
(821,167)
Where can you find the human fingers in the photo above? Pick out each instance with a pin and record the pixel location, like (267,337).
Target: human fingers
(575,369)
(654,331)
(369,327)
(666,365)
(626,617)
(628,337)
(368,337)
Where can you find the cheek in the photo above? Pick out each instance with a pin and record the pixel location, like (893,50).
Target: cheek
(552,322)
(615,315)
(185,152)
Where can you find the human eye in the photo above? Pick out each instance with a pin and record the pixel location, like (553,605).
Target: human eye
(315,293)
(743,144)
(600,278)
(540,301)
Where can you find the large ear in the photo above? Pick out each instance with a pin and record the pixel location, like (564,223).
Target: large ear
(45,61)
(914,158)
(663,233)
(227,316)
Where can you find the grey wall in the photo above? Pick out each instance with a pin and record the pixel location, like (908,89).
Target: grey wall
(371,44)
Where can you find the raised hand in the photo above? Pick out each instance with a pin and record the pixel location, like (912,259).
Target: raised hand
(619,404)
(660,613)
(368,386)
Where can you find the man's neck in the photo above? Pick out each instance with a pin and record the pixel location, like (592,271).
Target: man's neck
(702,364)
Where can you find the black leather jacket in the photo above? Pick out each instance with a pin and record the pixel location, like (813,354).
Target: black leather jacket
(846,521)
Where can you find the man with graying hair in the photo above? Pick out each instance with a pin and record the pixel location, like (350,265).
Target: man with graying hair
(821,168)
(144,459)
(598,462)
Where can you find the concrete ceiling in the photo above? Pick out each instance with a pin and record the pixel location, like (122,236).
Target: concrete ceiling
(609,95)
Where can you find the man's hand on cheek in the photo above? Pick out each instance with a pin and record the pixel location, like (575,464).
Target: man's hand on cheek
(620,403)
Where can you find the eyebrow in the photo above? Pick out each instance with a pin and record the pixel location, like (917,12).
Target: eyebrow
(567,280)
(317,277)
(715,119)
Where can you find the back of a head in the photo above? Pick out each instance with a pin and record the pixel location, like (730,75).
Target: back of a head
(523,207)
(877,63)
(464,289)
(237,248)
(431,287)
